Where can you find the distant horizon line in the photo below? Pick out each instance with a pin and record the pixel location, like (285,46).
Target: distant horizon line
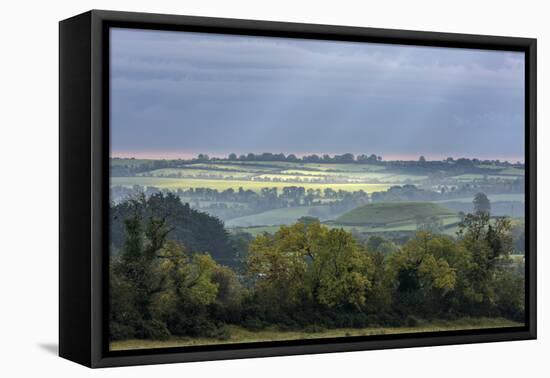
(176,155)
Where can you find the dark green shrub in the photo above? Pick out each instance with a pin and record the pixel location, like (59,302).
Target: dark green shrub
(411,321)
(119,331)
(153,329)
(221,332)
(314,328)
(253,324)
(510,296)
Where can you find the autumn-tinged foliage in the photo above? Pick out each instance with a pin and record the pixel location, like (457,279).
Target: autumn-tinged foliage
(307,277)
(310,262)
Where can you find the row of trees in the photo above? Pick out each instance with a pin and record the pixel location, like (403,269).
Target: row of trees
(270,197)
(144,165)
(307,276)
(347,158)
(313,158)
(229,203)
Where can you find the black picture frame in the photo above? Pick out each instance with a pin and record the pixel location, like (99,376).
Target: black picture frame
(84,191)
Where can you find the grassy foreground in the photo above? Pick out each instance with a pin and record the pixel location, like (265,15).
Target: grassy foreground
(241,335)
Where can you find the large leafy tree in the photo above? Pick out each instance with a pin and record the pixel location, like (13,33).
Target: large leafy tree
(481,204)
(157,288)
(198,231)
(424,273)
(191,289)
(311,262)
(137,279)
(490,244)
(339,269)
(277,264)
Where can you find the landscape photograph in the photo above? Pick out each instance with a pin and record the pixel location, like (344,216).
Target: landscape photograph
(269,189)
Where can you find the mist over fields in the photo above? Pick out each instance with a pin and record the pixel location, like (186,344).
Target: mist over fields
(258,193)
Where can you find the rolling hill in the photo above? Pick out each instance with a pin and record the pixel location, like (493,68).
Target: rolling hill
(377,214)
(286,215)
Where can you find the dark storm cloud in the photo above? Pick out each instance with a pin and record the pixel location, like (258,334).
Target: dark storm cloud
(175,92)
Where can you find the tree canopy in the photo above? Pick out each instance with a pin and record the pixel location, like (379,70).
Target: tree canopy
(304,275)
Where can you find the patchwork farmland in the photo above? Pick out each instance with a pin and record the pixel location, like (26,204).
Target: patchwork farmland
(369,198)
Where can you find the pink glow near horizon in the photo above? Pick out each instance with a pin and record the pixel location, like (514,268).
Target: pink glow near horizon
(186,155)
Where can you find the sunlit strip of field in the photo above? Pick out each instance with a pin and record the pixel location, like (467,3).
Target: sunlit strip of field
(184,183)
(241,335)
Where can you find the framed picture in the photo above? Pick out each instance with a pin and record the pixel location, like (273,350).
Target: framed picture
(234,188)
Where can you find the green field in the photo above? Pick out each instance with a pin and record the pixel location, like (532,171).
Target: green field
(192,172)
(220,171)
(448,221)
(182,183)
(289,177)
(258,230)
(270,222)
(241,335)
(254,175)
(356,176)
(467,177)
(285,215)
(329,167)
(392,212)
(234,167)
(273,171)
(513,171)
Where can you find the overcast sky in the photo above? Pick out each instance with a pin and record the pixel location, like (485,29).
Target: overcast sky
(177,94)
